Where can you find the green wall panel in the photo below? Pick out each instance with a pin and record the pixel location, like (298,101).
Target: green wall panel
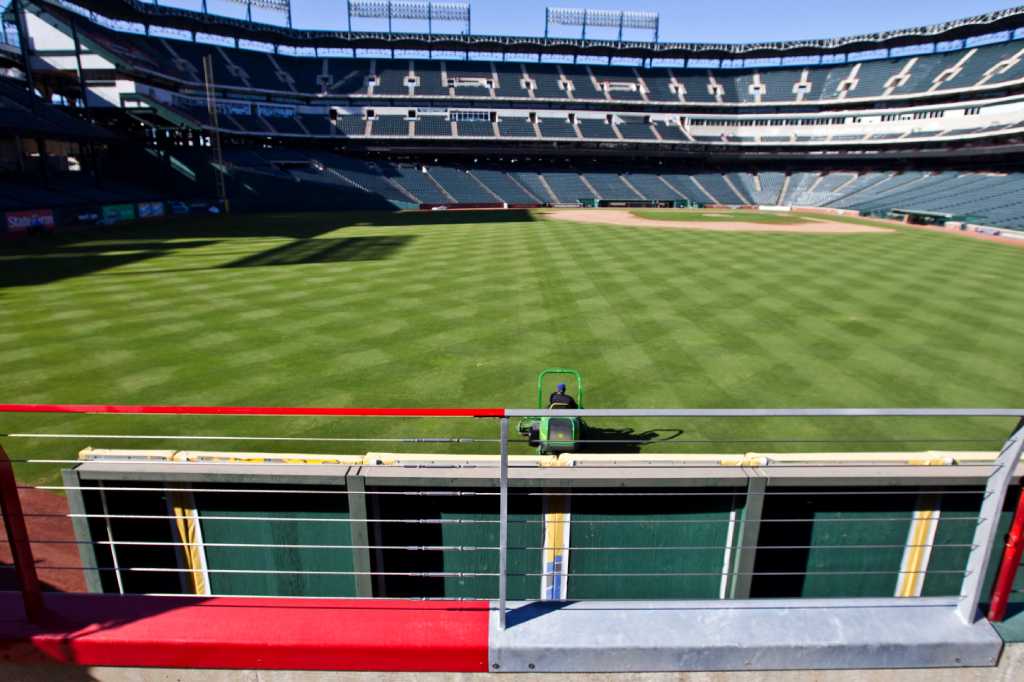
(290,560)
(700,520)
(809,542)
(478,529)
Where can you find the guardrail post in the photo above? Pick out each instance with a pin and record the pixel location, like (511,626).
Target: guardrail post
(17,537)
(80,524)
(360,535)
(749,533)
(503,525)
(1010,563)
(1009,566)
(988,524)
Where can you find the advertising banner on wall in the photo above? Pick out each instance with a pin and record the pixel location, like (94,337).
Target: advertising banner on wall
(87,216)
(77,216)
(117,213)
(193,206)
(151,209)
(19,222)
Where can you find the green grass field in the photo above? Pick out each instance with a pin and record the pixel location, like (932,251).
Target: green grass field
(463,309)
(691,215)
(765,218)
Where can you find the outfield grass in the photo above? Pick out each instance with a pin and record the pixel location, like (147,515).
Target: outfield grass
(703,216)
(455,309)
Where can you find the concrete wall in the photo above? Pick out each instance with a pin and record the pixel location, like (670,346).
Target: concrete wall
(1010,669)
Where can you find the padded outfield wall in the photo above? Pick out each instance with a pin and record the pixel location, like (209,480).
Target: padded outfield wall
(579,529)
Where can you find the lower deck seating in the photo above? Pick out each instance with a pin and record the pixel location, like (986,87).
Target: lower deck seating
(611,186)
(461,185)
(419,184)
(505,187)
(651,187)
(989,198)
(568,187)
(719,188)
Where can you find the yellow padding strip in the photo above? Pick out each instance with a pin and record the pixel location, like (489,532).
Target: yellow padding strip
(183,505)
(912,578)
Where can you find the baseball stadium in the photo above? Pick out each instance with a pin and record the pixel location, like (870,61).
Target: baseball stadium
(406,347)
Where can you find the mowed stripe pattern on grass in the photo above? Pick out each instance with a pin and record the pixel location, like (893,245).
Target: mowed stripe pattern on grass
(363,310)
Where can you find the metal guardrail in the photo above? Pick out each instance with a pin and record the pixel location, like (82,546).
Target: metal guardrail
(972,574)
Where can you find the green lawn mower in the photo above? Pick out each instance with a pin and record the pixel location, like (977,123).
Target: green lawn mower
(552,435)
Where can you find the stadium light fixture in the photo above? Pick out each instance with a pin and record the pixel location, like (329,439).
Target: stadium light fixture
(601,18)
(415,10)
(283,6)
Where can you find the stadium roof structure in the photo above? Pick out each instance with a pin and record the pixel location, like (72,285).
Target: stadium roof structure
(146,13)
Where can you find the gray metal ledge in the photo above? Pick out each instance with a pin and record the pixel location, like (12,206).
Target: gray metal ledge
(752,635)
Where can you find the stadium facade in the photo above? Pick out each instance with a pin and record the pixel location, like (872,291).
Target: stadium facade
(925,120)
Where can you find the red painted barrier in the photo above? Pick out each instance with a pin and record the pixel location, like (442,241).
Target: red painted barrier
(260,411)
(17,537)
(1012,555)
(252,633)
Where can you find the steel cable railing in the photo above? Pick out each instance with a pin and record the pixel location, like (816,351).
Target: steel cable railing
(499,559)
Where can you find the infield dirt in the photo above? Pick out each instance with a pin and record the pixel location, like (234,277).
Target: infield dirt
(624,218)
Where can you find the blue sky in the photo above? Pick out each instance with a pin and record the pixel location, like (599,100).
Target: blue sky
(681,20)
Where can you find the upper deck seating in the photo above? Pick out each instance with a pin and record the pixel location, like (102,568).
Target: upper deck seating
(779,84)
(516,127)
(433,126)
(547,81)
(390,126)
(696,85)
(556,127)
(596,129)
(245,69)
(621,82)
(510,81)
(392,77)
(583,87)
(475,128)
(659,85)
(874,76)
(347,76)
(634,128)
(430,80)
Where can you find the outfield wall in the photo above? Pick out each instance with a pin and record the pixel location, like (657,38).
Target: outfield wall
(580,526)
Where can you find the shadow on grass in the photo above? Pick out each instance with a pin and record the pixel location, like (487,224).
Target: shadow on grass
(623,441)
(41,260)
(34,270)
(463,217)
(294,225)
(306,251)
